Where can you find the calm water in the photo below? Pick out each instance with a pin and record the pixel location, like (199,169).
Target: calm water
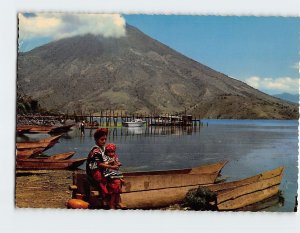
(250,146)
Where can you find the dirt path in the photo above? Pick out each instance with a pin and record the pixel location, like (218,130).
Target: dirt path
(43,189)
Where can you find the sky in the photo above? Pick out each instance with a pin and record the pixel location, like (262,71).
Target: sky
(260,51)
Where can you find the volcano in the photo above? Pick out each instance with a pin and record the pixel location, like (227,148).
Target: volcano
(137,74)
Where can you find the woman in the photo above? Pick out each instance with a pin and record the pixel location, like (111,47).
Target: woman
(97,164)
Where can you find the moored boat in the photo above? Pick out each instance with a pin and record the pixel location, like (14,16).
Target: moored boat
(34,145)
(51,139)
(48,164)
(45,143)
(27,153)
(134,123)
(46,128)
(21,130)
(238,194)
(61,156)
(156,193)
(138,183)
(230,195)
(61,129)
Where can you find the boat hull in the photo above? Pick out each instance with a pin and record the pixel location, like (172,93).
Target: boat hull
(230,196)
(264,186)
(61,156)
(131,124)
(43,143)
(48,164)
(155,188)
(27,153)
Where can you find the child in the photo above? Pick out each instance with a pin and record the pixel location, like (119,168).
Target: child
(115,177)
(112,159)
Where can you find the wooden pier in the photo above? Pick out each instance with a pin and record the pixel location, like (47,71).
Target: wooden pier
(111,118)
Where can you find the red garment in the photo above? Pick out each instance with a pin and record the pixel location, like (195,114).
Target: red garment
(114,186)
(101,182)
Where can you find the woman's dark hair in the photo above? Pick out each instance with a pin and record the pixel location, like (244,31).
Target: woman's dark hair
(100,132)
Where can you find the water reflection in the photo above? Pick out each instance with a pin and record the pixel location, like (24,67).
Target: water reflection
(136,130)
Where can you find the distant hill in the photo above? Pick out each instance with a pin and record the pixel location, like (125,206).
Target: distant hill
(289,97)
(138,74)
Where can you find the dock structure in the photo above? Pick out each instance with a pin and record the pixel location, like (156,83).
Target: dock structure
(112,118)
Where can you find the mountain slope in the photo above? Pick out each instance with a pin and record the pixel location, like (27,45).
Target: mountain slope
(288,97)
(138,74)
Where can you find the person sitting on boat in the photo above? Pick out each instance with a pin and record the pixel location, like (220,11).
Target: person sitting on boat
(95,164)
(115,177)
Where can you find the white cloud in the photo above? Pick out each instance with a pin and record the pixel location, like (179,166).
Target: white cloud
(61,25)
(274,85)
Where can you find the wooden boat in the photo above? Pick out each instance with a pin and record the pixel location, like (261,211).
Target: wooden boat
(61,156)
(45,143)
(51,139)
(47,128)
(134,123)
(230,196)
(34,145)
(48,164)
(238,194)
(21,130)
(27,153)
(138,183)
(40,129)
(61,129)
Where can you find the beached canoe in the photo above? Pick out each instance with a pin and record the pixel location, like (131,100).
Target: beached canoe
(50,139)
(238,194)
(22,130)
(40,129)
(45,143)
(49,164)
(27,153)
(47,128)
(230,195)
(138,183)
(141,181)
(61,156)
(34,145)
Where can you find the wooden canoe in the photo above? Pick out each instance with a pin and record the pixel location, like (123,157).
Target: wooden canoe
(61,129)
(50,139)
(27,153)
(141,181)
(43,143)
(230,196)
(153,182)
(34,145)
(238,194)
(49,164)
(46,128)
(61,156)
(21,130)
(40,129)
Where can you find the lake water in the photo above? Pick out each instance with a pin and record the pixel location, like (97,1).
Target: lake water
(250,146)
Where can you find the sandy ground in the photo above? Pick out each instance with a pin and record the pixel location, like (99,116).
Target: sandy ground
(43,188)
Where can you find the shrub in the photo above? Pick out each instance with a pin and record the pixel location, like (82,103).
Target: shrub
(200,198)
